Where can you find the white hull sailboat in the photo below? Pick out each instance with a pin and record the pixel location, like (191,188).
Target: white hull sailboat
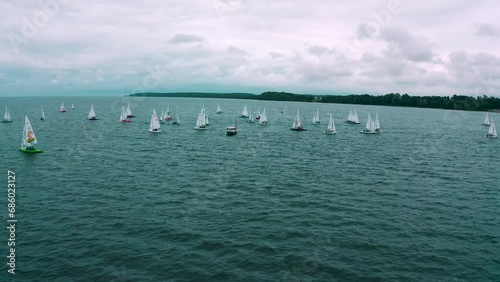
(486,121)
(218,111)
(316,119)
(492,132)
(92,115)
(331,127)
(353,117)
(29,139)
(128,112)
(201,121)
(244,113)
(123,116)
(43,114)
(6,116)
(62,109)
(263,118)
(154,126)
(297,123)
(370,126)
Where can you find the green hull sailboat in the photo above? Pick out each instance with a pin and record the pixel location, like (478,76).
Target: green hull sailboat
(29,139)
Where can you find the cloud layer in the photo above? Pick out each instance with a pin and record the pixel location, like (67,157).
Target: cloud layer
(325,47)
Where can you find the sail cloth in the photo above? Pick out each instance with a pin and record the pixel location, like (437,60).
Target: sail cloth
(29,138)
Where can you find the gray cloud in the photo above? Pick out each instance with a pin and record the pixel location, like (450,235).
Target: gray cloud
(488,30)
(185,38)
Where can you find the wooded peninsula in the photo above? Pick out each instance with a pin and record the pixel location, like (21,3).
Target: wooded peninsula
(455,102)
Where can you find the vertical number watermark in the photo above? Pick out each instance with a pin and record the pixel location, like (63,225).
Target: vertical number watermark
(11,221)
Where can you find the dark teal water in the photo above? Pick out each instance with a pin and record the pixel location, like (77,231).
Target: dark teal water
(420,202)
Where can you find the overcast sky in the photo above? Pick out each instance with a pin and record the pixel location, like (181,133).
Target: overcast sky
(424,47)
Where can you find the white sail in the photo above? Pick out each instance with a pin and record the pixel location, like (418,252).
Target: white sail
(155,123)
(297,123)
(43,114)
(368,123)
(251,118)
(128,112)
(492,130)
(351,116)
(62,109)
(218,111)
(258,113)
(245,112)
(486,120)
(29,138)
(263,117)
(91,112)
(123,116)
(355,117)
(331,125)
(377,123)
(315,119)
(206,120)
(6,116)
(177,116)
(72,106)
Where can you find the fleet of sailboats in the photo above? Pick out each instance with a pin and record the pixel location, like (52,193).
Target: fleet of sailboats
(297,123)
(29,139)
(353,117)
(331,126)
(92,115)
(316,119)
(6,116)
(154,125)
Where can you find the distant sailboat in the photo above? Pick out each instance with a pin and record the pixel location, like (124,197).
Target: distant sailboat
(218,111)
(62,109)
(6,116)
(200,122)
(244,113)
(486,121)
(162,116)
(168,117)
(92,113)
(251,119)
(29,139)
(72,107)
(492,132)
(377,124)
(123,116)
(297,123)
(331,126)
(128,112)
(154,126)
(316,118)
(257,117)
(206,116)
(353,117)
(43,114)
(370,126)
(176,120)
(263,117)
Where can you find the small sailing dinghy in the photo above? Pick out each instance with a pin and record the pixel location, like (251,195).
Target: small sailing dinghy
(257,117)
(162,116)
(176,120)
(316,118)
(251,119)
(331,127)
(168,117)
(486,121)
(370,126)
(123,116)
(92,113)
(492,132)
(232,130)
(353,117)
(62,109)
(72,107)
(377,124)
(128,112)
(218,111)
(297,124)
(43,114)
(6,116)
(263,118)
(244,113)
(154,126)
(201,121)
(29,139)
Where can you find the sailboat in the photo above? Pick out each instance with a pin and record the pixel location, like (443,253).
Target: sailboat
(128,112)
(176,120)
(250,118)
(370,126)
(29,139)
(62,109)
(168,117)
(331,126)
(201,121)
(486,121)
(232,130)
(92,113)
(263,117)
(162,116)
(6,117)
(43,114)
(154,126)
(353,117)
(72,107)
(257,117)
(244,113)
(123,116)
(206,116)
(297,124)
(376,124)
(316,118)
(492,132)
(218,111)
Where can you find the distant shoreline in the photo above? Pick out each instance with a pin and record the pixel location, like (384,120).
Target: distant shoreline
(455,102)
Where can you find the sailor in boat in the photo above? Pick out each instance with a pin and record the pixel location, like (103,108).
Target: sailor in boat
(155,130)
(30,148)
